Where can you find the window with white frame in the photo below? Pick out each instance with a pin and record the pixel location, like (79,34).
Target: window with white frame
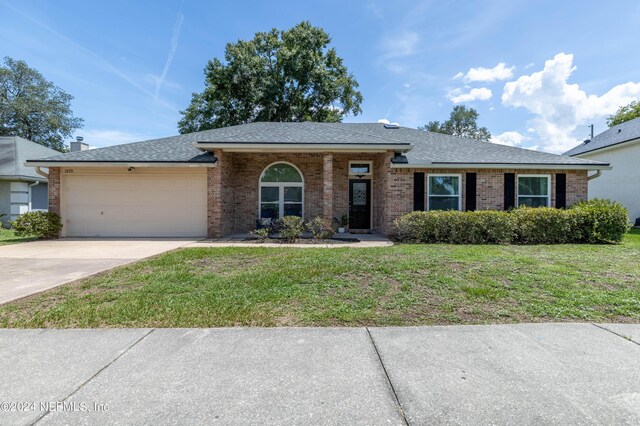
(534,190)
(443,192)
(281,191)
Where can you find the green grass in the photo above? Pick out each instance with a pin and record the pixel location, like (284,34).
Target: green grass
(8,236)
(400,285)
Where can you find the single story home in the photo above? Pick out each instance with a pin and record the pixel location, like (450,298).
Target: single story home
(217,182)
(21,188)
(620,147)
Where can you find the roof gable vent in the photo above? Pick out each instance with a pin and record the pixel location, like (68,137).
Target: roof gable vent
(392,126)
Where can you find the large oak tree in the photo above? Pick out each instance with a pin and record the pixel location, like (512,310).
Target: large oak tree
(33,107)
(289,75)
(462,122)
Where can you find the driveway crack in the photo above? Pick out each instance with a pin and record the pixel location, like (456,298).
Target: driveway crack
(44,414)
(386,374)
(627,338)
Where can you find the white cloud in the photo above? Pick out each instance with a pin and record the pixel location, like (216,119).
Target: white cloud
(559,107)
(403,44)
(509,138)
(499,72)
(98,138)
(172,51)
(478,94)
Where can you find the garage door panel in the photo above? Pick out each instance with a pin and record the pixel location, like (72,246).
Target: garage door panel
(129,205)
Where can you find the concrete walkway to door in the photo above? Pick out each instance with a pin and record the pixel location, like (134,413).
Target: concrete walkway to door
(30,268)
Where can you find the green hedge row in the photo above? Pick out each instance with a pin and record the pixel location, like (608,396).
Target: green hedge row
(595,221)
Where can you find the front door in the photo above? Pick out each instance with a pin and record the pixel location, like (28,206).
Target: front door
(359,204)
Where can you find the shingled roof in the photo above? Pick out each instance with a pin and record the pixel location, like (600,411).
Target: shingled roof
(14,151)
(418,147)
(620,133)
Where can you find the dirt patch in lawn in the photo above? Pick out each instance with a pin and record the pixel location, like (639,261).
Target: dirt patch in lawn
(226,265)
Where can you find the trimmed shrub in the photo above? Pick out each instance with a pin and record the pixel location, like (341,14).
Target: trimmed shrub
(600,221)
(42,225)
(320,228)
(596,221)
(262,234)
(291,227)
(544,225)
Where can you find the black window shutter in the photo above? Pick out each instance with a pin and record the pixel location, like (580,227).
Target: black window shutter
(561,190)
(418,191)
(509,190)
(470,195)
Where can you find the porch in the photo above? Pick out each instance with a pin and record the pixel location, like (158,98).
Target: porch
(246,188)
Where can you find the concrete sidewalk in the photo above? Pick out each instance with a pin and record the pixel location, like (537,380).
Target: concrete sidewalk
(501,374)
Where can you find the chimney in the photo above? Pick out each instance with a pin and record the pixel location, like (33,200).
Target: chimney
(78,145)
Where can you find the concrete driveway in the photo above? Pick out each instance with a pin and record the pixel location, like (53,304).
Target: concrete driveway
(527,374)
(29,268)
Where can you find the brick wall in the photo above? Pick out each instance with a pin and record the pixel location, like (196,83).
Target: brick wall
(54,189)
(489,195)
(233,187)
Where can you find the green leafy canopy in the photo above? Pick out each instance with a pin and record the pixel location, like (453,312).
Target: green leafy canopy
(624,113)
(33,107)
(462,122)
(288,75)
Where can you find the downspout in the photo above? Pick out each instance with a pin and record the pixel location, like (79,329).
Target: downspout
(46,176)
(596,175)
(31,193)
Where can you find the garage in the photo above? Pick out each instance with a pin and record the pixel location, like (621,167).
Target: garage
(130,202)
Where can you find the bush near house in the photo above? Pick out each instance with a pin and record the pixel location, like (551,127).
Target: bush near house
(321,228)
(595,221)
(291,227)
(42,225)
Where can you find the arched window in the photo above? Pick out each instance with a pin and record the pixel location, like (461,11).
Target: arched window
(281,191)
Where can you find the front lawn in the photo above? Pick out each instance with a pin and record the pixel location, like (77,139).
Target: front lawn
(8,236)
(400,285)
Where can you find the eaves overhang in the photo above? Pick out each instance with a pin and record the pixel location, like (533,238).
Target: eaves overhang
(519,166)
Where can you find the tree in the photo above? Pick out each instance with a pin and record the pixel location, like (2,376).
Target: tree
(624,113)
(33,107)
(462,122)
(288,75)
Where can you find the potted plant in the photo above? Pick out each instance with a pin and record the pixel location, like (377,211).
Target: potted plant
(343,222)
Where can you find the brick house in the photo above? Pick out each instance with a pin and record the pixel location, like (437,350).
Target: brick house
(216,182)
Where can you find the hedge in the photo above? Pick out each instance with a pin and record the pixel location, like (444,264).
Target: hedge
(595,221)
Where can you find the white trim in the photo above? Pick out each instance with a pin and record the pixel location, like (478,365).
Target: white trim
(303,147)
(458,175)
(113,164)
(365,176)
(281,186)
(603,166)
(518,176)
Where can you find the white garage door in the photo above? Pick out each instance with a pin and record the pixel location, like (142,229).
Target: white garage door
(135,205)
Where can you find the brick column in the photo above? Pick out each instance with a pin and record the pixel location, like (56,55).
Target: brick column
(327,194)
(214,197)
(54,189)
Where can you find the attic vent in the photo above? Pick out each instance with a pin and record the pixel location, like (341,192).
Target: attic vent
(586,141)
(392,126)
(619,130)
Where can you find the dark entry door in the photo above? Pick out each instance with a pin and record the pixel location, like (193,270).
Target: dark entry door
(359,204)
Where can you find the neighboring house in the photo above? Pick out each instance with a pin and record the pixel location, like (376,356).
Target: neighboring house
(619,146)
(21,188)
(221,181)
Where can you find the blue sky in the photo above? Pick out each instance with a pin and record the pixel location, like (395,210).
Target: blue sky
(537,72)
